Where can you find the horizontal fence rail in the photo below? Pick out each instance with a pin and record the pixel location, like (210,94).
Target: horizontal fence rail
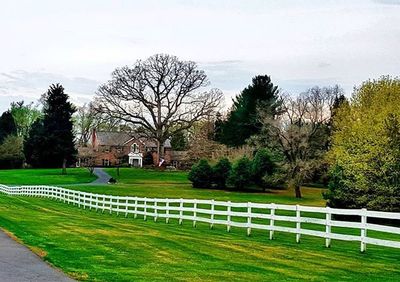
(295,219)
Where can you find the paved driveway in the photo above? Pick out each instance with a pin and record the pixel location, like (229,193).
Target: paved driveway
(19,264)
(102,176)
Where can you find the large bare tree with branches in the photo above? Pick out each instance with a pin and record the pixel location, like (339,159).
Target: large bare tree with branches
(299,132)
(161,96)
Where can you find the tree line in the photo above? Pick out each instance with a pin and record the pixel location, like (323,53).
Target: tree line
(319,135)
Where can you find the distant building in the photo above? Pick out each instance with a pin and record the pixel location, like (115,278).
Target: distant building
(107,148)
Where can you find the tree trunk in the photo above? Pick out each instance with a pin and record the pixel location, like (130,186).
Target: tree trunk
(297,191)
(118,170)
(64,167)
(160,150)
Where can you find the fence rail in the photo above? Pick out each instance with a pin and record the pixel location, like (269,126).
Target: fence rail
(295,219)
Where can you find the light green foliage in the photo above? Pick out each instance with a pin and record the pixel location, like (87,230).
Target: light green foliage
(365,148)
(24,116)
(11,155)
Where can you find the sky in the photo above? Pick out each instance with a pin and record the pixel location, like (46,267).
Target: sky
(299,43)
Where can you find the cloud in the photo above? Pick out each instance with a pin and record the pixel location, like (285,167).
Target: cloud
(388,2)
(323,65)
(29,86)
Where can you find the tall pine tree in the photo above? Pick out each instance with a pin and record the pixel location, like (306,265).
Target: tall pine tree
(51,140)
(242,121)
(7,126)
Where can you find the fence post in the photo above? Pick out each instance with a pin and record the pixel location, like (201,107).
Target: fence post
(103,203)
(111,203)
(117,205)
(228,218)
(135,208)
(180,211)
(155,210)
(145,208)
(167,211)
(97,202)
(194,212)
(271,222)
(363,230)
(298,223)
(90,201)
(126,206)
(212,214)
(328,219)
(248,218)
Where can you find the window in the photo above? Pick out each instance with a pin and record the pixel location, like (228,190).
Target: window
(106,162)
(135,148)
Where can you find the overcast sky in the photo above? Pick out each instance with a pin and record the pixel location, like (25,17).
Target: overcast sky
(299,43)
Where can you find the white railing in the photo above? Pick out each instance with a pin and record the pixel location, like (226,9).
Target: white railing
(232,214)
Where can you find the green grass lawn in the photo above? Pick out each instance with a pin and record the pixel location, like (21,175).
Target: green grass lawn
(174,184)
(44,176)
(101,247)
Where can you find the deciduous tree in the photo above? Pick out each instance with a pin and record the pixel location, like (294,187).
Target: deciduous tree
(162,95)
(297,133)
(365,153)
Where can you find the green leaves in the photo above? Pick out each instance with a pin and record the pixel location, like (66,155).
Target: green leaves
(366,147)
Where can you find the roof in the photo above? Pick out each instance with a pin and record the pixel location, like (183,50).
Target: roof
(112,138)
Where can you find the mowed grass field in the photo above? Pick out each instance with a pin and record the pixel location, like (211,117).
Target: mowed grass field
(92,246)
(44,176)
(174,184)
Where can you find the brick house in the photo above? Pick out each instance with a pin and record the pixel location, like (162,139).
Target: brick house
(107,148)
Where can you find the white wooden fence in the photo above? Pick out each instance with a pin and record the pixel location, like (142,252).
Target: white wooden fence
(296,219)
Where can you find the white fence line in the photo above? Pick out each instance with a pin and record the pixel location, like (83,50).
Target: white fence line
(231,214)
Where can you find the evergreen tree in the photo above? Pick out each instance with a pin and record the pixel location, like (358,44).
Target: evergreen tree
(7,126)
(179,141)
(221,172)
(243,120)
(51,140)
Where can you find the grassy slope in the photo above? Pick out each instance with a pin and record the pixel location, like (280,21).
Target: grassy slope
(139,182)
(127,249)
(104,247)
(44,176)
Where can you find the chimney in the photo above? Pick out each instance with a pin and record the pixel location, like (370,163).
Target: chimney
(94,138)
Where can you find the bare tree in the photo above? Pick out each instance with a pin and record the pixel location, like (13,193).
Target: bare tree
(160,95)
(296,132)
(88,117)
(85,119)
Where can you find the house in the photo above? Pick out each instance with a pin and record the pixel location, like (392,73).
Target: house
(107,148)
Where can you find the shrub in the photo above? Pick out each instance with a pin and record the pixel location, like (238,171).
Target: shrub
(11,155)
(262,166)
(240,175)
(221,172)
(201,175)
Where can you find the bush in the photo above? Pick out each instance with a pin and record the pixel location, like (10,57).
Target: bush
(221,172)
(240,175)
(262,166)
(201,175)
(11,155)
